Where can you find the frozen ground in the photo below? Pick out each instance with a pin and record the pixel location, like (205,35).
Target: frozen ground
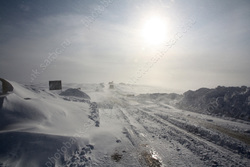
(112,127)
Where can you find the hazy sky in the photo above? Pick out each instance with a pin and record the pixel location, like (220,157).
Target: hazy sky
(189,44)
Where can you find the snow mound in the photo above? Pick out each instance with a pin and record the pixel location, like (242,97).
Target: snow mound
(75,93)
(228,102)
(222,101)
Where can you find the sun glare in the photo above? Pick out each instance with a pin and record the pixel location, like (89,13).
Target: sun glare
(154,31)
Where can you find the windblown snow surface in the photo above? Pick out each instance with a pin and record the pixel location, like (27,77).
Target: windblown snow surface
(91,125)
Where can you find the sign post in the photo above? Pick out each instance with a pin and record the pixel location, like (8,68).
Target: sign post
(55,85)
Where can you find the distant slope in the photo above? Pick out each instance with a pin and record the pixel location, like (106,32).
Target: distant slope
(232,102)
(222,101)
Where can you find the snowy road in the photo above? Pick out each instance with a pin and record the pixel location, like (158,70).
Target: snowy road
(154,134)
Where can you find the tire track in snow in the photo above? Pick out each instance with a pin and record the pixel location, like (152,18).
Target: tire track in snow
(139,140)
(208,152)
(168,137)
(157,146)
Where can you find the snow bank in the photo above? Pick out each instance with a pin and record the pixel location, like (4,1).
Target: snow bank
(228,102)
(41,111)
(75,93)
(39,128)
(222,101)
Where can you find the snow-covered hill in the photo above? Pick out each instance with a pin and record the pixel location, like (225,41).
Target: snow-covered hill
(225,102)
(231,102)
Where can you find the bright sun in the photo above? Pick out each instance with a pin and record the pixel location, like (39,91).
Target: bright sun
(154,31)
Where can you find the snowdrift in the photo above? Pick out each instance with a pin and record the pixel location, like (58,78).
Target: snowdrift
(75,93)
(40,128)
